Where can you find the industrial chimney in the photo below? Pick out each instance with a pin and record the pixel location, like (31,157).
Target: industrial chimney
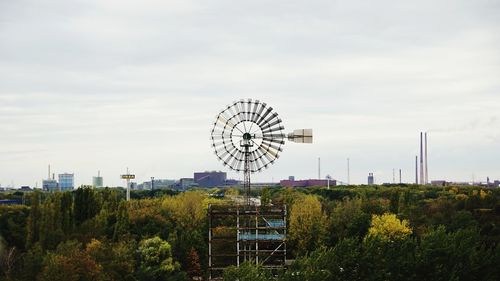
(422,158)
(426,167)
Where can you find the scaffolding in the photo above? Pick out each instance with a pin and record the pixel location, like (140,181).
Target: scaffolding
(239,233)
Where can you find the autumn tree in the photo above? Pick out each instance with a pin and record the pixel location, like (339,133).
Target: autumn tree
(193,268)
(307,224)
(388,227)
(69,263)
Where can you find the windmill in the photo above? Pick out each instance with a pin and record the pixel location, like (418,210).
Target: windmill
(247,136)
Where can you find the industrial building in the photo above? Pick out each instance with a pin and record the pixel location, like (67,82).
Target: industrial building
(210,179)
(97,182)
(50,185)
(371,179)
(66,182)
(186,183)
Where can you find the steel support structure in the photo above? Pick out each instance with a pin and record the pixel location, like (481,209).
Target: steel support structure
(239,233)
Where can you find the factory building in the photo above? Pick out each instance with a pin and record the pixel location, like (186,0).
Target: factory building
(210,179)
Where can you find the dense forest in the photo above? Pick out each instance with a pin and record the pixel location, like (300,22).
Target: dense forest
(399,232)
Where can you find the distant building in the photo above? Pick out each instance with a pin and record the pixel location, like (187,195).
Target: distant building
(97,182)
(439,183)
(26,188)
(210,179)
(66,181)
(50,185)
(134,186)
(185,183)
(371,179)
(306,183)
(156,184)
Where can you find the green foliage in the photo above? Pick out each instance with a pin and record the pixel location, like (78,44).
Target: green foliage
(348,219)
(156,259)
(94,234)
(13,220)
(246,272)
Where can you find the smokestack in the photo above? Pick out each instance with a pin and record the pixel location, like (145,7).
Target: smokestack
(53,176)
(400,176)
(426,167)
(99,173)
(421,158)
(319,168)
(49,173)
(416,169)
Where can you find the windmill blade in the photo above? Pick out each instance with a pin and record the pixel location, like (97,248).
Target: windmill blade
(269,156)
(264,122)
(274,140)
(274,129)
(254,111)
(273,136)
(271,124)
(262,107)
(266,113)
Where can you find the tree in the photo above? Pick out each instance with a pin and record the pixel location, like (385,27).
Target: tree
(265,197)
(86,205)
(388,227)
(69,263)
(307,224)
(247,272)
(348,220)
(117,260)
(156,258)
(34,218)
(194,267)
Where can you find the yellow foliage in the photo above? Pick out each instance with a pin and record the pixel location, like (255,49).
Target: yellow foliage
(145,210)
(388,227)
(188,208)
(461,197)
(483,194)
(453,190)
(307,223)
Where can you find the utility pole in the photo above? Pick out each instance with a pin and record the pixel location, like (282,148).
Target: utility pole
(348,172)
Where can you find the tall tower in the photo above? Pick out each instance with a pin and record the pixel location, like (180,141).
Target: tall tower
(348,172)
(426,167)
(422,178)
(128,177)
(319,168)
(416,169)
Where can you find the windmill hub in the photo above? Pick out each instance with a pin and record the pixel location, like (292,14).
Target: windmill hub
(247,136)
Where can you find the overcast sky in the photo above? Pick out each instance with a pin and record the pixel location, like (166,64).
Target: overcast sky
(104,85)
